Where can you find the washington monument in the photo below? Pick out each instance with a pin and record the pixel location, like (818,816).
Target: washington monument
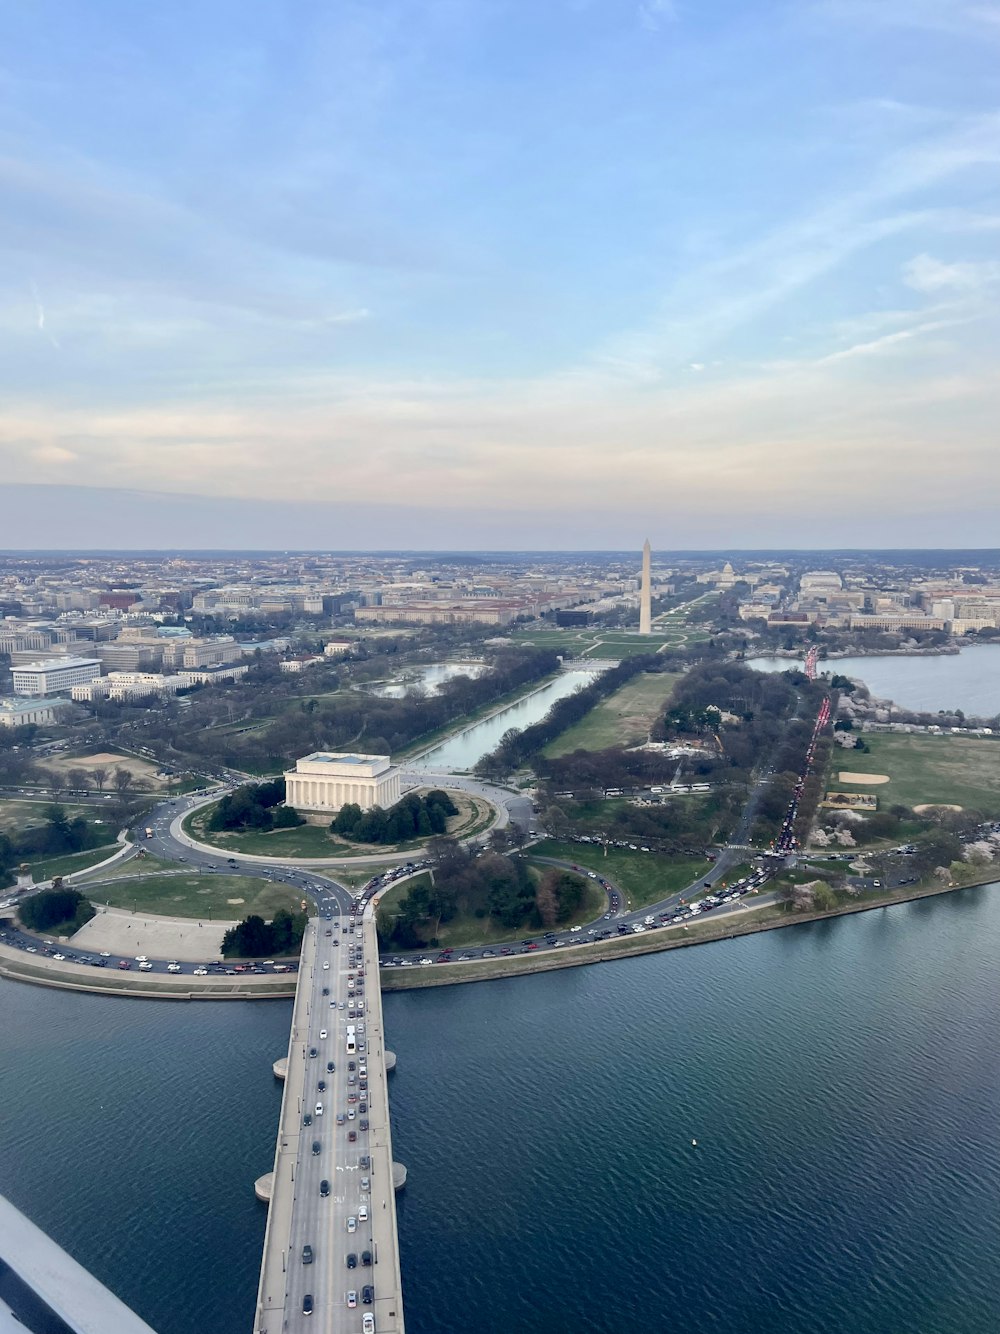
(645,595)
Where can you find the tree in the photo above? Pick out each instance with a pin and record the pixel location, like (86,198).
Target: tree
(100,777)
(124,779)
(79,779)
(55,780)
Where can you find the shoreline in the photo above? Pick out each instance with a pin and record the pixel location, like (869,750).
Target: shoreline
(574,956)
(606,952)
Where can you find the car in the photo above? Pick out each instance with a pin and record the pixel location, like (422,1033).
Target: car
(368,1294)
(368,1324)
(326,963)
(330,1067)
(322,1034)
(352,1299)
(363,1125)
(362,1213)
(143,967)
(201,972)
(322,1086)
(307,1120)
(352,1137)
(351,1113)
(316,1147)
(324,1187)
(141,958)
(364,1161)
(340,1118)
(326,991)
(173,968)
(319,1109)
(313,1051)
(307,1255)
(352,1260)
(307,1307)
(366,1184)
(62,956)
(352,1224)
(366,1257)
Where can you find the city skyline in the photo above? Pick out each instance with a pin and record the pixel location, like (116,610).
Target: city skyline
(475,268)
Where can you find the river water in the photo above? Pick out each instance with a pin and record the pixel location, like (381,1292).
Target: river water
(969,680)
(460,752)
(841,1080)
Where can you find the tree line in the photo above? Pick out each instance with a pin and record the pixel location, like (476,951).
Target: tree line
(253,938)
(480,884)
(413,816)
(254,806)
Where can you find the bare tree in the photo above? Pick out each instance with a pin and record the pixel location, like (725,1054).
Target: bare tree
(124,778)
(100,777)
(55,780)
(79,779)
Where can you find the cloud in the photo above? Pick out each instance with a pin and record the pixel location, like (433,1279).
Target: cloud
(924,273)
(890,340)
(653,14)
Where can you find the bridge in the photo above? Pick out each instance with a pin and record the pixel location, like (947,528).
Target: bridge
(331,1250)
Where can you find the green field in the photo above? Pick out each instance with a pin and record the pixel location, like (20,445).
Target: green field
(184,894)
(468,929)
(20,813)
(44,868)
(622,719)
(315,841)
(926,770)
(645,877)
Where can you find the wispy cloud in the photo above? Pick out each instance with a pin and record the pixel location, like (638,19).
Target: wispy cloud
(40,310)
(924,273)
(653,14)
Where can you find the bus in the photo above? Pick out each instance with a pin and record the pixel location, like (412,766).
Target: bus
(351,1044)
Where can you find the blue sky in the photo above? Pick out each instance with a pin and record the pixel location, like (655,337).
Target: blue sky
(709,270)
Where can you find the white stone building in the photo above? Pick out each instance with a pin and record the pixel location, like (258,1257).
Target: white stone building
(19,712)
(326,780)
(53,675)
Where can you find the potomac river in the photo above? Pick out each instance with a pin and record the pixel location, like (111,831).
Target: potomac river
(840,1078)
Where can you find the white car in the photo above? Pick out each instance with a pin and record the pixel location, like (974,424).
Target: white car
(368,1323)
(319,1109)
(576,928)
(352,1224)
(201,972)
(173,968)
(141,958)
(146,967)
(322,1033)
(105,954)
(60,957)
(326,963)
(362,1213)
(352,1299)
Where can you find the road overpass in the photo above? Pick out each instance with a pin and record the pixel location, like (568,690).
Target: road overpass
(331,1226)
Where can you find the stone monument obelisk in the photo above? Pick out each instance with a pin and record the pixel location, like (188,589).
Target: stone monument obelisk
(645,594)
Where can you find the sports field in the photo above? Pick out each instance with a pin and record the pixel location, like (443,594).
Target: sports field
(928,770)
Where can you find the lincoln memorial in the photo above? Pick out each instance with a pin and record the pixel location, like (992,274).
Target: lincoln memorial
(327,780)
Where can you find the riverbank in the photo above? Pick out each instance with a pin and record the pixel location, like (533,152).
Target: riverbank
(770,918)
(70,977)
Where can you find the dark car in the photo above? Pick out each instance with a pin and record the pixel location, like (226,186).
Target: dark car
(313,1051)
(330,1067)
(352,1260)
(352,1137)
(368,1294)
(307,1304)
(307,1120)
(326,991)
(364,1161)
(366,1257)
(322,1086)
(307,1255)
(324,1187)
(352,1065)
(363,1124)
(316,1146)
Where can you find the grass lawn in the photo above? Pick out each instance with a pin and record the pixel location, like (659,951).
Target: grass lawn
(309,840)
(645,877)
(469,929)
(931,770)
(22,812)
(622,719)
(180,894)
(44,868)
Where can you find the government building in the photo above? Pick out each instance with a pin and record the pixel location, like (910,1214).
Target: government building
(327,780)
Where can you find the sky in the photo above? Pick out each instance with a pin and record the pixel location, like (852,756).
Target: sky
(544,273)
